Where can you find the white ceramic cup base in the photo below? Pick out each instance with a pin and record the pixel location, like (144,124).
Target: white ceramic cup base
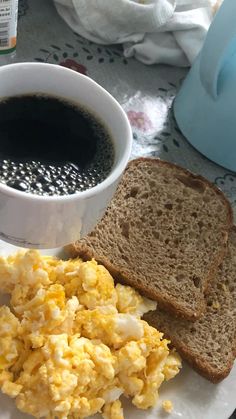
(44,222)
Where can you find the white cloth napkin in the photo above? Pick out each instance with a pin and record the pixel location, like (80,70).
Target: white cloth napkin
(153,31)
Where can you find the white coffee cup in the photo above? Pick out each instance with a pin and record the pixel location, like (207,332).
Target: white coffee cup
(35,221)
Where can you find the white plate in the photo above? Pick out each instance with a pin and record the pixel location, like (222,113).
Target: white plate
(193,396)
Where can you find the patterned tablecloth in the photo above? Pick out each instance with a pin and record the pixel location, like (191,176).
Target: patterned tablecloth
(145,92)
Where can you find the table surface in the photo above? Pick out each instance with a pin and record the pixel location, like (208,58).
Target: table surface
(145,92)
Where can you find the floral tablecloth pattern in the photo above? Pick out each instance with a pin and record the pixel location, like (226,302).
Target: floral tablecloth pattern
(145,92)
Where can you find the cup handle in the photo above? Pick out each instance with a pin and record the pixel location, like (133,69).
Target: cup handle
(219,46)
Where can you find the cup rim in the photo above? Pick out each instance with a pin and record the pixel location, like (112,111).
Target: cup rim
(115,172)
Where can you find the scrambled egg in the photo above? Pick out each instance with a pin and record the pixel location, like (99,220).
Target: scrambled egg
(72,342)
(167,406)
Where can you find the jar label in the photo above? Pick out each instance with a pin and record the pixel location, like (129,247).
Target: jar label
(8,25)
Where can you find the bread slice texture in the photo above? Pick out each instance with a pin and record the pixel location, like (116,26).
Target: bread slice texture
(164,233)
(209,345)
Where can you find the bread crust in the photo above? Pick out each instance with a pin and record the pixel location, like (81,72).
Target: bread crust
(86,252)
(197,362)
(199,365)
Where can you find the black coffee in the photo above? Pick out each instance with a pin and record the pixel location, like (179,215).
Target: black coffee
(49,146)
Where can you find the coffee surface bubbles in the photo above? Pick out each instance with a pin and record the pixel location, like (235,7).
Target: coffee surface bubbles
(49,146)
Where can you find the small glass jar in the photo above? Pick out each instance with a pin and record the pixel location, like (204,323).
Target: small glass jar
(8,30)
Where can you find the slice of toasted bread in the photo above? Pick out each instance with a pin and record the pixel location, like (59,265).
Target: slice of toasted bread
(209,344)
(164,233)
